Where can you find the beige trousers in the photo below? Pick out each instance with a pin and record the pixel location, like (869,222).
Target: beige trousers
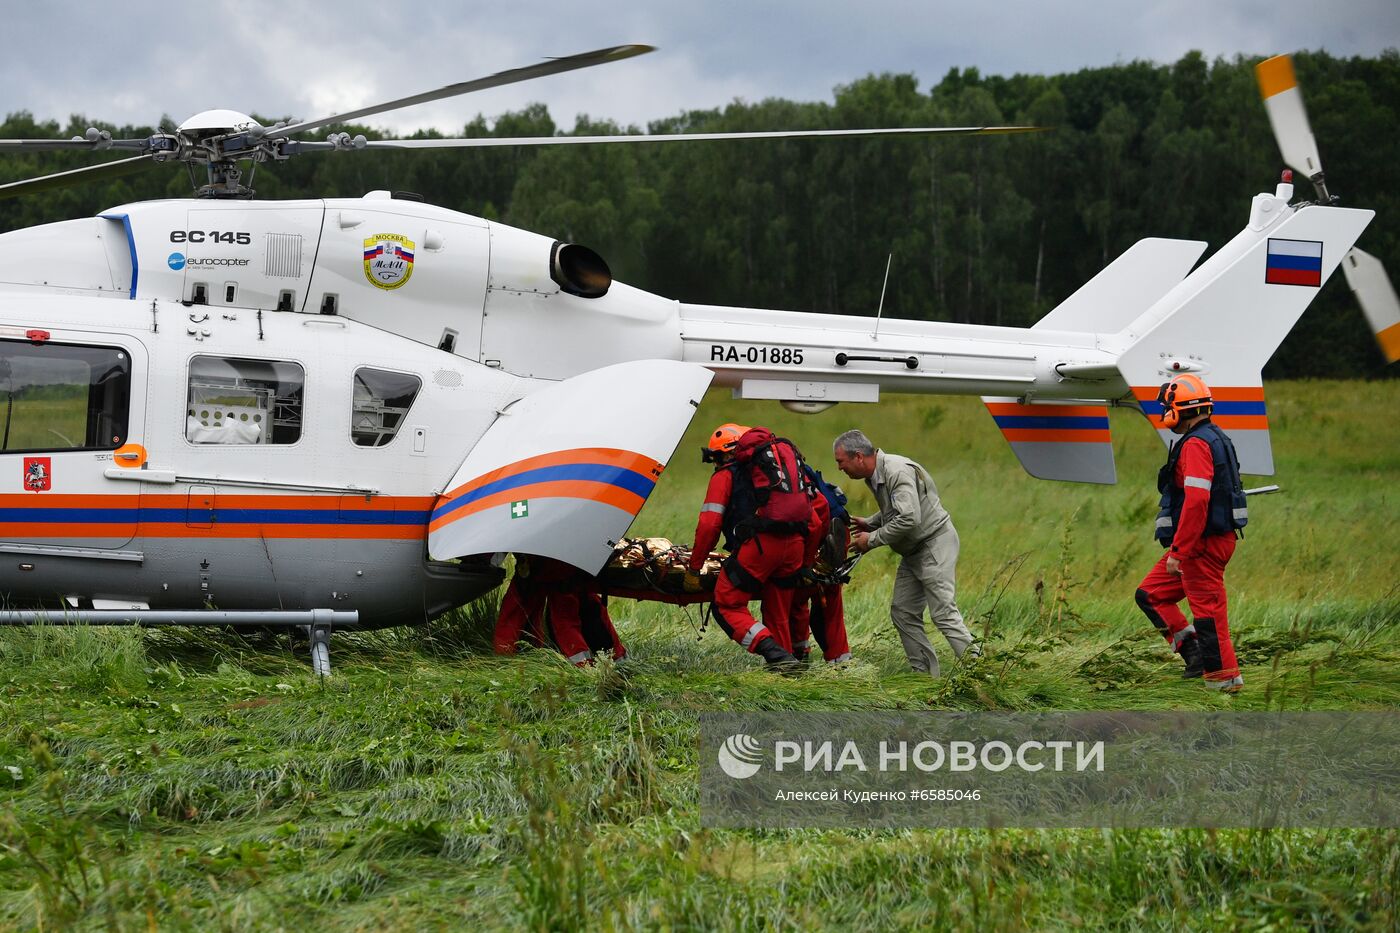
(926,579)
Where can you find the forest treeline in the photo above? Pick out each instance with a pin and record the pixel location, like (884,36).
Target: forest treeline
(989,230)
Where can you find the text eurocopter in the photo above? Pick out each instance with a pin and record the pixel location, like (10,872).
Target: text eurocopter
(940,756)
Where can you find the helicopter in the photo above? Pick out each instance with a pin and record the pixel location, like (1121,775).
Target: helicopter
(353,408)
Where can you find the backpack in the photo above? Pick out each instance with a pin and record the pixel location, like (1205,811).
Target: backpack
(836,535)
(835,498)
(768,474)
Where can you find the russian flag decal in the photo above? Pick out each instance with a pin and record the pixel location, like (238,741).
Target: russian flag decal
(1294,262)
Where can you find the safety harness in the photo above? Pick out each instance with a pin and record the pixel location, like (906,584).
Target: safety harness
(1228,511)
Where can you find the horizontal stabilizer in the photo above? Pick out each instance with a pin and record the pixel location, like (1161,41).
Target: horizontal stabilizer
(1125,288)
(1056,441)
(563,472)
(1376,295)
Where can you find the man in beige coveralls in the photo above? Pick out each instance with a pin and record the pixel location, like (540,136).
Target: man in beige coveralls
(915,525)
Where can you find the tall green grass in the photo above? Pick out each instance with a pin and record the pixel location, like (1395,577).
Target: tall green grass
(195,780)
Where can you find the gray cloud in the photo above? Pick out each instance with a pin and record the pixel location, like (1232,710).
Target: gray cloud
(133,62)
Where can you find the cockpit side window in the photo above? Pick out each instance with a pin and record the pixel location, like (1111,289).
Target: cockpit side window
(56,396)
(380,403)
(243,402)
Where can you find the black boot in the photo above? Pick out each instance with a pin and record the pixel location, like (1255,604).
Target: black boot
(776,657)
(1191,654)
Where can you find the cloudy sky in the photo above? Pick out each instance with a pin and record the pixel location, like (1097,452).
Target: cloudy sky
(134,61)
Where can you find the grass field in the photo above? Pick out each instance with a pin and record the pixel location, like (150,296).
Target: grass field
(188,780)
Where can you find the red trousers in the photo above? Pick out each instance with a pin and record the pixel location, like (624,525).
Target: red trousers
(760,561)
(818,611)
(555,596)
(1202,584)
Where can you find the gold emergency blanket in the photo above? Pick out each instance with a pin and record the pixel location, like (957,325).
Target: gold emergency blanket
(655,564)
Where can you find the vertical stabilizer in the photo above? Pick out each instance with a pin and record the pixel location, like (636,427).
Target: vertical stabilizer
(1227,318)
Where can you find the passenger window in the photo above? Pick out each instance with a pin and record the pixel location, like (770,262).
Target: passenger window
(63,397)
(380,403)
(238,401)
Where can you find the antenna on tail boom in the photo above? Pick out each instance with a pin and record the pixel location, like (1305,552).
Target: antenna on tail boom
(881,309)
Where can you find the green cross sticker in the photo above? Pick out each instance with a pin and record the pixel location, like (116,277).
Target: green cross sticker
(520,509)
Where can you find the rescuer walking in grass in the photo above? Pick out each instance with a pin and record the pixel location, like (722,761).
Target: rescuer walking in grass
(913,522)
(1203,508)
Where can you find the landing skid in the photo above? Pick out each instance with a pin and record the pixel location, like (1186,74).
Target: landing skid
(316,623)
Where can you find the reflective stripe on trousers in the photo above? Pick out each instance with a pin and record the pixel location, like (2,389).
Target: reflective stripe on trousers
(1202,584)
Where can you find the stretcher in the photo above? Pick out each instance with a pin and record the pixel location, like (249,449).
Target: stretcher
(653,570)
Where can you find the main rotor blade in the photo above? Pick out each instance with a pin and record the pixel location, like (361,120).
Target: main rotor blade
(683,137)
(43,145)
(77,176)
(513,76)
(1278,86)
(49,145)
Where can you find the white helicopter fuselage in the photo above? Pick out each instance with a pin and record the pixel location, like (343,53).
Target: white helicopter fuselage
(484,291)
(184,506)
(271,456)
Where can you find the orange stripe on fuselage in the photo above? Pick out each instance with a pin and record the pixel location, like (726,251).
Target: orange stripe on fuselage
(1218,394)
(54,500)
(607,456)
(349,530)
(59,530)
(262,501)
(1236,394)
(1221,393)
(1241,422)
(629,502)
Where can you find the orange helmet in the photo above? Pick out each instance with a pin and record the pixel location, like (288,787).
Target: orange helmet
(1181,395)
(722,441)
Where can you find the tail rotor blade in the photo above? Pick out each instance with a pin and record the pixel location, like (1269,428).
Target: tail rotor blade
(1283,101)
(1376,295)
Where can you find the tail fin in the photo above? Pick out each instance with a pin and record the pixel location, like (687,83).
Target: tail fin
(1227,318)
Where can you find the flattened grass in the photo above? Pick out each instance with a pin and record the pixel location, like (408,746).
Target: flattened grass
(195,780)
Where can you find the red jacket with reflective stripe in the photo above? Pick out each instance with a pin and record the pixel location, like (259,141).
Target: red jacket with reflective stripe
(711,523)
(1196,464)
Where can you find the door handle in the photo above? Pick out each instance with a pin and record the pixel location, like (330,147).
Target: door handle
(141,476)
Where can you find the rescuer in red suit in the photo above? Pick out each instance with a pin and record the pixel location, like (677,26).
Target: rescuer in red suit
(817,609)
(547,593)
(1203,508)
(767,540)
